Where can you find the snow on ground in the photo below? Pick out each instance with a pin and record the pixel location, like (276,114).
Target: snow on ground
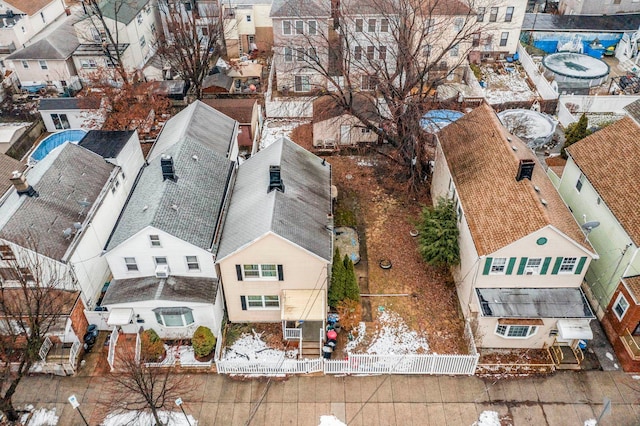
(331,421)
(488,418)
(391,336)
(186,355)
(590,422)
(635,377)
(40,417)
(274,129)
(507,87)
(250,347)
(608,355)
(169,418)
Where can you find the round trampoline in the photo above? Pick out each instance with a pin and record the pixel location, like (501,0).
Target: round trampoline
(438,119)
(575,68)
(532,127)
(53,141)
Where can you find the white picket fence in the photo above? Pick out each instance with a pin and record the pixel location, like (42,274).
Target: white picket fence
(403,364)
(113,341)
(270,368)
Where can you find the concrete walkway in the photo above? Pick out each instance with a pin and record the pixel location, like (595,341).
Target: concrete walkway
(566,398)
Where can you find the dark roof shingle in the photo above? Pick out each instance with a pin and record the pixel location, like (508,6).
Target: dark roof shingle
(174,288)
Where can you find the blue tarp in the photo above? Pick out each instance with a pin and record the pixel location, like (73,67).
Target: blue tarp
(549,46)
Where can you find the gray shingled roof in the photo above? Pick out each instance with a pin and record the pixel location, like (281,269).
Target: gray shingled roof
(67,175)
(50,104)
(628,22)
(533,303)
(175,289)
(200,122)
(300,8)
(59,45)
(121,10)
(299,214)
(187,209)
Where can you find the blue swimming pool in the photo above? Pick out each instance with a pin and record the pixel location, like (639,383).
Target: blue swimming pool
(53,141)
(437,119)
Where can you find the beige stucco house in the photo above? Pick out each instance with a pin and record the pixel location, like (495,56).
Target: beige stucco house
(277,243)
(523,255)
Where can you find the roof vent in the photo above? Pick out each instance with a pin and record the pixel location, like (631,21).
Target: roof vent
(509,139)
(513,147)
(275,179)
(22,186)
(525,169)
(168,172)
(544,202)
(174,207)
(162,271)
(536,188)
(195,157)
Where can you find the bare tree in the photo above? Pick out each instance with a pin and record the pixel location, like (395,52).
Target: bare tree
(148,389)
(193,38)
(398,51)
(33,302)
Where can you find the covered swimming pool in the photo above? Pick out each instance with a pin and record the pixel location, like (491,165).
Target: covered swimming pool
(438,119)
(53,141)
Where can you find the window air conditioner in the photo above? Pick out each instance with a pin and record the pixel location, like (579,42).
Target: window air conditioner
(529,271)
(162,271)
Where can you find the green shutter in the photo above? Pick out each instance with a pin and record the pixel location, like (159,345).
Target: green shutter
(487,265)
(523,263)
(545,265)
(556,266)
(580,265)
(512,262)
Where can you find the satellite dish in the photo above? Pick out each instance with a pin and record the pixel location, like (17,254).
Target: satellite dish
(588,226)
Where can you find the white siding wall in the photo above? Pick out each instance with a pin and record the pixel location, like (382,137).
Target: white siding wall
(172,248)
(78,119)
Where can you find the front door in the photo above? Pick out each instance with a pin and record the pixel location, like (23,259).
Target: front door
(345,134)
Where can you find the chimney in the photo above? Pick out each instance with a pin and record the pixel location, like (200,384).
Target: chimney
(525,169)
(168,172)
(22,186)
(275,179)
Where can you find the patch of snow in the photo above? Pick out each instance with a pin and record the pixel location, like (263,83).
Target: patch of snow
(331,421)
(42,417)
(365,163)
(635,377)
(608,355)
(393,336)
(507,87)
(360,333)
(186,355)
(273,130)
(488,418)
(615,365)
(590,422)
(169,418)
(250,347)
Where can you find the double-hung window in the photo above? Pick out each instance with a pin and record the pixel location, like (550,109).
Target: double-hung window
(288,54)
(130,263)
(384,25)
(302,83)
(493,15)
(382,53)
(370,52)
(260,271)
(480,15)
(568,265)
(621,306)
(312,27)
(192,263)
(357,53)
(371,26)
(300,54)
(359,25)
(580,182)
(504,37)
(299,27)
(516,331)
(154,240)
(43,65)
(509,15)
(174,317)
(286,27)
(263,302)
(533,266)
(498,265)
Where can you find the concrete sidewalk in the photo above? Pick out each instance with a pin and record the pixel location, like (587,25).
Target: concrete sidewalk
(566,398)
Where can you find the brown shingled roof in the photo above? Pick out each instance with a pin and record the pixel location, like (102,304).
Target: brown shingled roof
(616,179)
(633,284)
(7,166)
(499,209)
(240,110)
(30,7)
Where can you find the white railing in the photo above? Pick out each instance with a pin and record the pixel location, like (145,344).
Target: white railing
(44,349)
(273,368)
(543,86)
(403,364)
(111,357)
(138,347)
(73,354)
(292,333)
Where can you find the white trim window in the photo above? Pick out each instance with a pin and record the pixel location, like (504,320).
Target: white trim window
(288,54)
(509,15)
(312,27)
(160,260)
(286,28)
(25,64)
(263,302)
(299,26)
(266,271)
(620,307)
(580,182)
(384,25)
(533,266)
(192,263)
(174,317)
(516,331)
(43,65)
(498,266)
(302,83)
(359,25)
(130,263)
(154,240)
(371,25)
(504,38)
(568,265)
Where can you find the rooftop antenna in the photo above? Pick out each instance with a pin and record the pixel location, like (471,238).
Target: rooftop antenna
(588,227)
